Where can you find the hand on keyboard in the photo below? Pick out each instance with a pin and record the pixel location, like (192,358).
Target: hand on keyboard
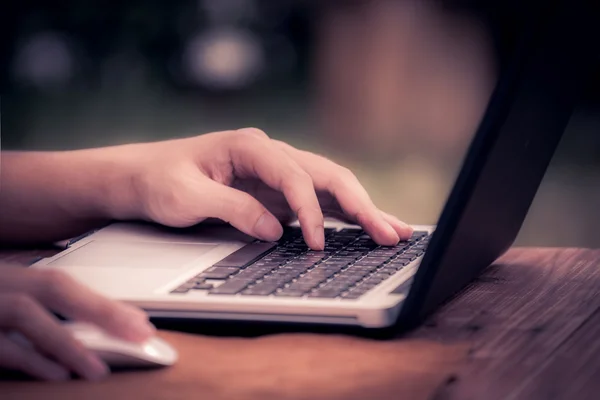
(245,178)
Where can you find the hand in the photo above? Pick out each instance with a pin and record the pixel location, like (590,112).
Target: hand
(27,296)
(245,178)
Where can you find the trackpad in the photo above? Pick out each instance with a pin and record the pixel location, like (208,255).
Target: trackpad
(134,255)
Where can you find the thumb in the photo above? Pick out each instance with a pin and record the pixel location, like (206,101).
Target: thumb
(242,211)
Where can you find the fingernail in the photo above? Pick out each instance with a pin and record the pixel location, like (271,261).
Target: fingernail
(320,237)
(96,369)
(268,228)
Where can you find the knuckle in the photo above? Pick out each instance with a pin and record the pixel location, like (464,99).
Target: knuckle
(230,138)
(347,173)
(241,142)
(297,176)
(344,176)
(259,133)
(304,177)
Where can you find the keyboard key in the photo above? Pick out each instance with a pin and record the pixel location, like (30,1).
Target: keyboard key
(350,280)
(367,285)
(290,293)
(348,254)
(396,267)
(332,262)
(401,248)
(368,262)
(189,284)
(261,264)
(261,289)
(351,295)
(291,233)
(384,252)
(294,273)
(232,286)
(388,270)
(319,274)
(366,242)
(310,256)
(180,290)
(302,286)
(407,257)
(246,255)
(308,281)
(203,286)
(333,269)
(420,233)
(300,264)
(272,261)
(297,244)
(218,272)
(381,259)
(362,269)
(400,261)
(383,275)
(335,285)
(327,293)
(373,280)
(350,232)
(341,240)
(277,281)
(255,273)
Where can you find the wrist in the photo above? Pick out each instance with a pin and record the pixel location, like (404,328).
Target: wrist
(118,172)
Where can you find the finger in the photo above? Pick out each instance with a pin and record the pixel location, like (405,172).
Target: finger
(241,210)
(348,192)
(403,230)
(61,293)
(17,357)
(23,314)
(336,212)
(253,156)
(400,227)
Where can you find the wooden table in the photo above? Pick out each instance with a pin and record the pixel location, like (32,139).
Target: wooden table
(529,328)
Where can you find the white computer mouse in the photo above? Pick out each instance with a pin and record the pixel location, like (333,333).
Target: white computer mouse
(119,353)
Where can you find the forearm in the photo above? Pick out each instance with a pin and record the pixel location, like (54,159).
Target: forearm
(49,196)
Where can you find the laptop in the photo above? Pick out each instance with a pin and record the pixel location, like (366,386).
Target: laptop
(218,273)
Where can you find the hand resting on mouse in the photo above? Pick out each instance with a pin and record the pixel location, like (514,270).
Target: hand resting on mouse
(26,298)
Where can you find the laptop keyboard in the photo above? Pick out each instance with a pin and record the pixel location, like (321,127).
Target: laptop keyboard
(350,265)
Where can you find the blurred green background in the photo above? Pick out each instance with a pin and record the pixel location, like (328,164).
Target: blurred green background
(392,89)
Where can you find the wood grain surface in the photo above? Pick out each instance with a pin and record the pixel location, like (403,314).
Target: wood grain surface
(531,322)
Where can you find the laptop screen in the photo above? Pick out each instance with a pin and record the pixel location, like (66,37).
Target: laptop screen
(531,105)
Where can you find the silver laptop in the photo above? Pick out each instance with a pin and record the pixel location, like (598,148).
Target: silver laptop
(209,272)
